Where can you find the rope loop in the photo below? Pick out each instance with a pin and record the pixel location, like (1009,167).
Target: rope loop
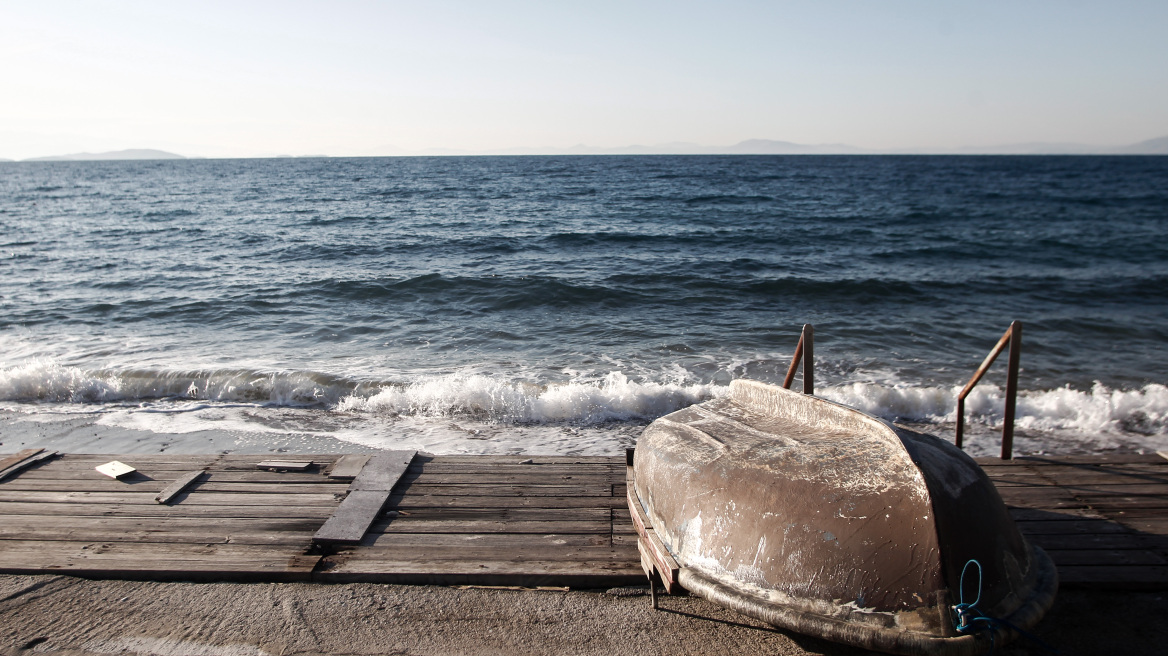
(971,619)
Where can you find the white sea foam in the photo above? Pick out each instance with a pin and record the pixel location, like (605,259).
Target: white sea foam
(183,402)
(1098,410)
(41,380)
(614,398)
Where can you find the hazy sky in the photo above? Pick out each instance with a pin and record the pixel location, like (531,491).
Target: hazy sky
(363,78)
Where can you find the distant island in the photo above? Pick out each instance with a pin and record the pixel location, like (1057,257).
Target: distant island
(133,153)
(1158,146)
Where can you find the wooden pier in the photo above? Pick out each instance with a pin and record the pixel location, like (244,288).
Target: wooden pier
(483,520)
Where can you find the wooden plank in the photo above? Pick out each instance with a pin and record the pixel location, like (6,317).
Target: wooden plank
(444,467)
(17,457)
(437,556)
(348,466)
(176,561)
(1073,527)
(172,490)
(382,471)
(589,513)
(200,498)
(1120,577)
(417,501)
(516,490)
(151,509)
(235,476)
(1116,490)
(1099,541)
(193,530)
(649,543)
(350,521)
(367,495)
(495,478)
(209,483)
(285,465)
(419,544)
(1105,557)
(1062,514)
(1109,458)
(28,461)
(487,460)
(483,572)
(408,525)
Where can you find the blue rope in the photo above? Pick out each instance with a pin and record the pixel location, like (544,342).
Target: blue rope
(971,619)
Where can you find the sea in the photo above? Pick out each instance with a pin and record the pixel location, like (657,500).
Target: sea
(557,305)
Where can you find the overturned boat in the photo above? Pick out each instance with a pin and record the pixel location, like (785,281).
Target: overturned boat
(820,519)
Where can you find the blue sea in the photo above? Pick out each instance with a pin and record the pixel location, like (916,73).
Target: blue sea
(558,304)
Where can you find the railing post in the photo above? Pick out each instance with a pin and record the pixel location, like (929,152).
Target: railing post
(808,338)
(1011,390)
(805,353)
(1012,338)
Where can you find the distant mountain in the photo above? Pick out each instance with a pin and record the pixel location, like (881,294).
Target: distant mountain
(1157,146)
(771,147)
(133,153)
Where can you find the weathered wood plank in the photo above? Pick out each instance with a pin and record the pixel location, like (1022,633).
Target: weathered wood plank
(382,471)
(81,557)
(17,457)
(193,530)
(368,493)
(1105,557)
(416,501)
(495,478)
(1062,514)
(444,467)
(535,550)
(208,483)
(37,457)
(286,465)
(64,510)
(1026,461)
(171,491)
(408,525)
(1122,577)
(1099,541)
(348,466)
(350,521)
(195,498)
(517,490)
(483,572)
(1073,527)
(486,543)
(234,476)
(448,514)
(536,460)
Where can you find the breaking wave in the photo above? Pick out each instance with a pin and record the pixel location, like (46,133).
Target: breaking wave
(1098,410)
(613,397)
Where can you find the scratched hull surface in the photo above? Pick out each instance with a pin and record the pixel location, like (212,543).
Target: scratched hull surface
(822,519)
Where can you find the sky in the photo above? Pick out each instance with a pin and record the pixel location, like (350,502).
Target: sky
(246,79)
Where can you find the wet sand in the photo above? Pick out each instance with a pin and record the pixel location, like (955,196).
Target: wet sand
(64,615)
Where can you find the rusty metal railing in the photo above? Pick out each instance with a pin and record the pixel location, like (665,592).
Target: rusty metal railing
(804,351)
(1012,338)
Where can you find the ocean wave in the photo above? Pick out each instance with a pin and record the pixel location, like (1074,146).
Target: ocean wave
(50,382)
(611,397)
(1098,410)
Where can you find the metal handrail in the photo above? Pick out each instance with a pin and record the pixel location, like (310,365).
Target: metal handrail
(805,352)
(1013,338)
